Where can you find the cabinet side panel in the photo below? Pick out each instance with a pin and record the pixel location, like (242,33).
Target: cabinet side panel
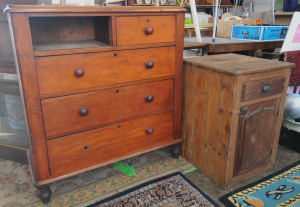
(178,74)
(29,90)
(200,116)
(189,110)
(224,119)
(211,134)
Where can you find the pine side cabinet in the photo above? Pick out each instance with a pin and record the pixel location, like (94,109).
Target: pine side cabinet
(232,113)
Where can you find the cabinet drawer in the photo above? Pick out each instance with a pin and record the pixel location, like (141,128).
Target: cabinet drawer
(145,30)
(77,151)
(262,88)
(73,72)
(83,111)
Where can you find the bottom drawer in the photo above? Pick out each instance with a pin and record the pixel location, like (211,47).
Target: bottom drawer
(77,151)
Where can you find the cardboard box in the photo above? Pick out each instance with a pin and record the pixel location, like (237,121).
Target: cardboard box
(259,33)
(224,28)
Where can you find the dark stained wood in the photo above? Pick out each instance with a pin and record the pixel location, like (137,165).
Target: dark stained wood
(162,30)
(108,142)
(262,88)
(62,115)
(92,92)
(226,138)
(103,68)
(256,132)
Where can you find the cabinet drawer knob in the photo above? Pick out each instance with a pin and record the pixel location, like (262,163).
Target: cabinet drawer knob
(149,64)
(149,98)
(266,88)
(149,30)
(83,111)
(149,130)
(79,72)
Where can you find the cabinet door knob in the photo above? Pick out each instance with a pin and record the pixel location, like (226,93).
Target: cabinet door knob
(149,98)
(149,30)
(79,72)
(149,130)
(266,88)
(83,111)
(149,64)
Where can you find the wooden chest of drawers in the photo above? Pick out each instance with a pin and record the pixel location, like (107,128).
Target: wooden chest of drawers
(232,108)
(99,84)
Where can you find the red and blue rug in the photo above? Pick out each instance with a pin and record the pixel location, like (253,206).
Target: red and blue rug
(277,190)
(171,190)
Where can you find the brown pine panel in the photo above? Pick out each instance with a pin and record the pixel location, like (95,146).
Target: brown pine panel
(131,30)
(56,73)
(61,115)
(107,143)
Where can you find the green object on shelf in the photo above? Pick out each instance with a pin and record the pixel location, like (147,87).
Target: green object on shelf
(188,21)
(128,170)
(190,170)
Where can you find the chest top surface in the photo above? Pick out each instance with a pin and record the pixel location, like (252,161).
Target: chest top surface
(236,64)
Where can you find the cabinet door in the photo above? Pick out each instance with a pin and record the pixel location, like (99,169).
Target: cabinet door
(255,135)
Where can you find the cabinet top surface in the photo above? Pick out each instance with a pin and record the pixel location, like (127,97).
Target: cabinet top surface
(91,9)
(236,64)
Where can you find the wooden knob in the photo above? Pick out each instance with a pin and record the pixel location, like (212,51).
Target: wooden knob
(266,88)
(149,98)
(149,30)
(149,64)
(83,111)
(79,72)
(149,130)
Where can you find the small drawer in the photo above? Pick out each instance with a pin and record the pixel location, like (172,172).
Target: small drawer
(68,114)
(262,88)
(145,30)
(74,152)
(73,72)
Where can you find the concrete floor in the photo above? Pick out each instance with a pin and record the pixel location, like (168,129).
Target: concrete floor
(284,158)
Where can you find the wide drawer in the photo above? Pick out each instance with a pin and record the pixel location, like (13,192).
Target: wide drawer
(145,29)
(73,72)
(83,111)
(262,88)
(77,151)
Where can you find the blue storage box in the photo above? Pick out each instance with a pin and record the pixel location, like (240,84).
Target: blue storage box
(259,33)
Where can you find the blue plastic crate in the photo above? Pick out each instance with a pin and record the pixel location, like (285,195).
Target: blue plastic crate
(258,33)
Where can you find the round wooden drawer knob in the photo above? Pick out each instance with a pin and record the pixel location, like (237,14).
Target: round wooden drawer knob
(149,98)
(149,130)
(149,30)
(266,88)
(79,72)
(83,111)
(149,64)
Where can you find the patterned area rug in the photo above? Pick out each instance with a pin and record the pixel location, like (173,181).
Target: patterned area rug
(171,190)
(17,190)
(280,189)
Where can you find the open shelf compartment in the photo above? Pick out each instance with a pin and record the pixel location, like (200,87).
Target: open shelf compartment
(65,33)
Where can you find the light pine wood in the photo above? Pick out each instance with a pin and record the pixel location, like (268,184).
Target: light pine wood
(82,89)
(224,143)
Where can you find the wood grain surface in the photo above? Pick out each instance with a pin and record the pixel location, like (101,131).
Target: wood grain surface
(73,152)
(56,74)
(129,27)
(61,115)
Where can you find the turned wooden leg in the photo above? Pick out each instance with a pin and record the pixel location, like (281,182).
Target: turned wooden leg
(175,151)
(44,193)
